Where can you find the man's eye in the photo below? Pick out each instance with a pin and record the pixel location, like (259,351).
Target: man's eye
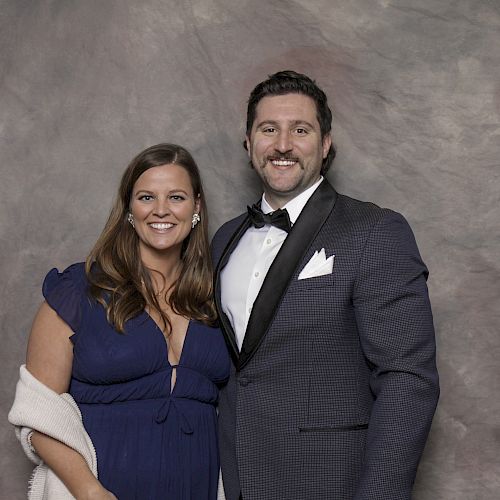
(269,130)
(301,131)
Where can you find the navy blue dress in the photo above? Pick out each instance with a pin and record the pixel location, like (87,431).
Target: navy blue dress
(151,443)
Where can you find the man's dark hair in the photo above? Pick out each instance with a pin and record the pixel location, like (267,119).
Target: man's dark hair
(290,82)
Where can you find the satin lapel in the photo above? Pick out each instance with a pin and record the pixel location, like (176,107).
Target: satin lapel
(283,268)
(227,328)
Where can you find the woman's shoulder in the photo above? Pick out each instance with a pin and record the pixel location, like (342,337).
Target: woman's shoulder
(75,273)
(66,292)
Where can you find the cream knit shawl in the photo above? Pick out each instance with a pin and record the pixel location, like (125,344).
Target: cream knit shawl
(36,407)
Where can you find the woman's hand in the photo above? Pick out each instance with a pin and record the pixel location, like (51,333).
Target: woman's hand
(96,492)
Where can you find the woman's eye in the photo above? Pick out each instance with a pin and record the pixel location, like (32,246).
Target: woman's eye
(177,197)
(145,197)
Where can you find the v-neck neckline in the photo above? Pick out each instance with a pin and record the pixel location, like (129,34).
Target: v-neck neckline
(165,342)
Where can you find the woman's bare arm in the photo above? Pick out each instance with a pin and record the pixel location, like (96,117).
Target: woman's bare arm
(49,359)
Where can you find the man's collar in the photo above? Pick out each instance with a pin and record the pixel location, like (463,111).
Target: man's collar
(295,205)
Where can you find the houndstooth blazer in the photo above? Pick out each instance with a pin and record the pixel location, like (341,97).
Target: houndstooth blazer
(334,390)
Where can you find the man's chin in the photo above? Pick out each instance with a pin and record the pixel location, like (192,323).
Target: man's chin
(282,191)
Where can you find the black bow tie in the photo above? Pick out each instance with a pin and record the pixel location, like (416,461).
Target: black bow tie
(279,218)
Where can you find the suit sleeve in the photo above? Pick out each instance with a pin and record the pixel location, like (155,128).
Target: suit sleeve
(396,331)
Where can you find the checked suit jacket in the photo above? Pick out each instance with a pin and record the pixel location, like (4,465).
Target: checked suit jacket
(334,390)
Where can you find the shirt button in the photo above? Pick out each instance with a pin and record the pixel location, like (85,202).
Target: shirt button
(257,274)
(269,241)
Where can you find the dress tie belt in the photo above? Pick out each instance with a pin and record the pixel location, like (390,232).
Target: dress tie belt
(172,405)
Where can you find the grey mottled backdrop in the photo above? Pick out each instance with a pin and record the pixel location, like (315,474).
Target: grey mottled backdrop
(415,87)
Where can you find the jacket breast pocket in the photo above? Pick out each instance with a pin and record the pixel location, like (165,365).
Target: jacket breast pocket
(317,282)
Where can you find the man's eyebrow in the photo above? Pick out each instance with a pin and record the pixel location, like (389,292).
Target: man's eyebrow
(267,122)
(276,123)
(303,122)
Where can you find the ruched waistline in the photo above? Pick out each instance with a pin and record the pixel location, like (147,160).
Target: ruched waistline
(170,404)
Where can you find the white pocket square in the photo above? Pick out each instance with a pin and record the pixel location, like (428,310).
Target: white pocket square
(319,265)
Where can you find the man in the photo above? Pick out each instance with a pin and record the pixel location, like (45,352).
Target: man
(328,322)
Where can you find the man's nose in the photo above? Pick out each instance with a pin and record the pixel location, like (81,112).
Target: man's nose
(284,142)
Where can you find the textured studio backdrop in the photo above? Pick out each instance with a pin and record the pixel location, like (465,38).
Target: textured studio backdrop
(415,89)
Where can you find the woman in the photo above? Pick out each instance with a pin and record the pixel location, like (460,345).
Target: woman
(130,336)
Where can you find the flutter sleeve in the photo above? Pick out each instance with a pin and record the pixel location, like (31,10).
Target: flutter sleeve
(66,293)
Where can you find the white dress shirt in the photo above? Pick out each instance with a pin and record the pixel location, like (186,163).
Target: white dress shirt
(243,275)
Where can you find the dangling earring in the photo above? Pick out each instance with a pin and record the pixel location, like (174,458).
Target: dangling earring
(130,218)
(196,218)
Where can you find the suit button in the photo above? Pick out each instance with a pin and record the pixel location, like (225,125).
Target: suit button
(244,381)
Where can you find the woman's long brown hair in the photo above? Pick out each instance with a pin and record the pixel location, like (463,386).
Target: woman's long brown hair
(118,278)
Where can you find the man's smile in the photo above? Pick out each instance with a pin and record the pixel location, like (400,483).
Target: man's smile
(282,162)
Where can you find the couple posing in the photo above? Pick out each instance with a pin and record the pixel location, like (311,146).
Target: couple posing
(315,336)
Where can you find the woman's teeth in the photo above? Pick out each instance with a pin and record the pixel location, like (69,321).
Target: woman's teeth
(161,225)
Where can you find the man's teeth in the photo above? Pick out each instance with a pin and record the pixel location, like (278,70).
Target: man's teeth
(283,163)
(161,225)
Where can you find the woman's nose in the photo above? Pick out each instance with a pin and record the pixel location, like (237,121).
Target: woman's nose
(162,208)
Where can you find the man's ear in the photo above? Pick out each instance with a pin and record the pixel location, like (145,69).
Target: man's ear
(246,145)
(327,142)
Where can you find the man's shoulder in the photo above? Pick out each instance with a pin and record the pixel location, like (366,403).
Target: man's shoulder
(229,227)
(365,219)
(369,212)
(223,236)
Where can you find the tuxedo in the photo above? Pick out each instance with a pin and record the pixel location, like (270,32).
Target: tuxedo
(332,394)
